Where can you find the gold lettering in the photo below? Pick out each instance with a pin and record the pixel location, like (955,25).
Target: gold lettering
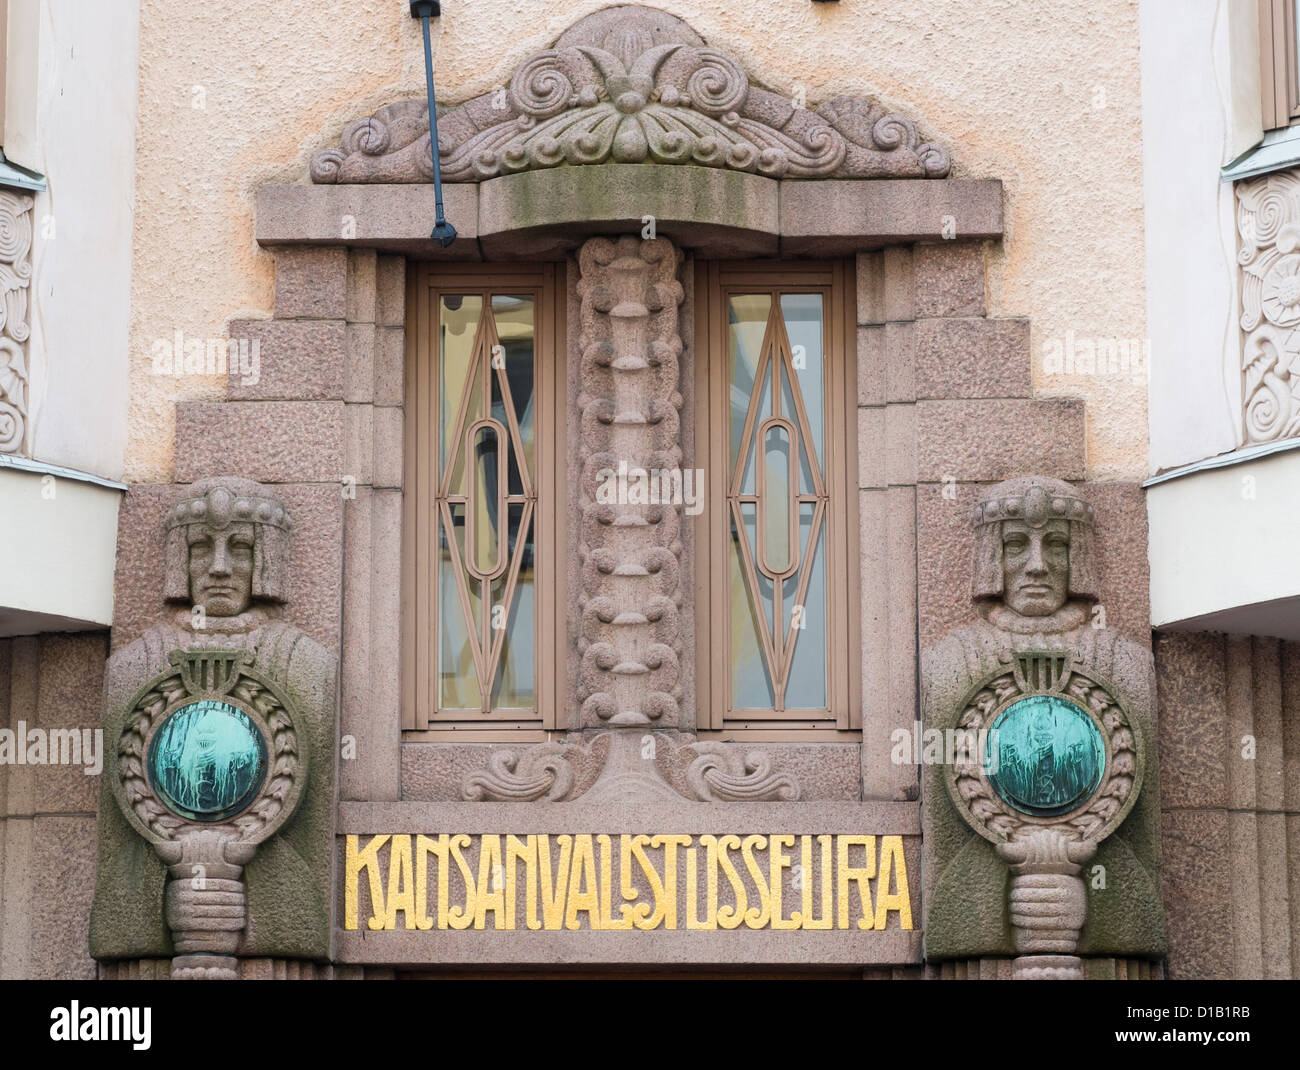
(424,847)
(634,914)
(892,862)
(353,863)
(401,887)
(553,891)
(731,917)
(670,845)
(458,917)
(607,920)
(524,850)
(559,889)
(828,889)
(653,917)
(490,893)
(710,920)
(777,862)
(583,876)
(861,875)
(756,917)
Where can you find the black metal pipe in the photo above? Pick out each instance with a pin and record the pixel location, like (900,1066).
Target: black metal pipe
(443,232)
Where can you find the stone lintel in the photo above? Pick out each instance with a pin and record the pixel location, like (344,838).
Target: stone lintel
(677,947)
(713,212)
(396,218)
(640,815)
(833,217)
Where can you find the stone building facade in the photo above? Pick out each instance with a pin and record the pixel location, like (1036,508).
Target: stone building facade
(745,546)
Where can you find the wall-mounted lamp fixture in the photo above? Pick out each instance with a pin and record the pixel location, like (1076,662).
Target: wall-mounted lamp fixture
(424,10)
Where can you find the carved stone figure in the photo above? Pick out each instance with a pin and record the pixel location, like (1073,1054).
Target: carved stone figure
(1062,712)
(216,823)
(631,85)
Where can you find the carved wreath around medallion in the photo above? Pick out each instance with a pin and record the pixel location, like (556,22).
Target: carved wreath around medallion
(1100,814)
(281,786)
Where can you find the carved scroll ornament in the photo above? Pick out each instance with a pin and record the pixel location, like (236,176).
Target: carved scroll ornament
(15,282)
(631,85)
(1268,225)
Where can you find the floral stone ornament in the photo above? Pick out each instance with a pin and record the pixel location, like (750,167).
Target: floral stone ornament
(1062,707)
(631,85)
(217,843)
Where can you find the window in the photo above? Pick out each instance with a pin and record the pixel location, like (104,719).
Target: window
(775,406)
(480,616)
(1278,77)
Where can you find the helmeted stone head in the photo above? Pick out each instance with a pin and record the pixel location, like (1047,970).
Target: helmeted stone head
(1033,546)
(227,546)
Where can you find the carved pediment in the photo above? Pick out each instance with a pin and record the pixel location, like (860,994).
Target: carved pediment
(631,85)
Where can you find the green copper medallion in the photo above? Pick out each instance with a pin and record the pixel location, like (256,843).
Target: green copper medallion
(207,761)
(1045,756)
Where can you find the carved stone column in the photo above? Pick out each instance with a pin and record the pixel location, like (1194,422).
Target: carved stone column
(630,543)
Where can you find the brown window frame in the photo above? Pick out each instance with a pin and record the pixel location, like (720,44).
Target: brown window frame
(835,279)
(420,709)
(1279,69)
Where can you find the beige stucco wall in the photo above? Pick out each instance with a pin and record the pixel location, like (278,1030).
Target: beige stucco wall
(1043,96)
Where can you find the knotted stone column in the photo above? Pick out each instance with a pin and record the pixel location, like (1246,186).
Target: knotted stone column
(630,546)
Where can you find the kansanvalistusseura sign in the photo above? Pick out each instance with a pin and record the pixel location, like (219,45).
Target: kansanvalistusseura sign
(605,882)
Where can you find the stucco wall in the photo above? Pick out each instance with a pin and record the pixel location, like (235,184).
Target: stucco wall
(71,116)
(1199,58)
(1043,96)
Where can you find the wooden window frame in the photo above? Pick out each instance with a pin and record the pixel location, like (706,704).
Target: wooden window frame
(835,279)
(1279,68)
(420,710)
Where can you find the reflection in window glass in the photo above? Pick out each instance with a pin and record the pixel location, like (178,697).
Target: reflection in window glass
(486,501)
(777,500)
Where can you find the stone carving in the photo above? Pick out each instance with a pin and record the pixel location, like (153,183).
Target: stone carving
(1048,902)
(1107,805)
(1051,715)
(15,281)
(633,764)
(216,828)
(550,771)
(722,772)
(631,85)
(629,551)
(1268,226)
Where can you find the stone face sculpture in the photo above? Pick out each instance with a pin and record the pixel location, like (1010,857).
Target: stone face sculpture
(216,820)
(1054,716)
(631,85)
